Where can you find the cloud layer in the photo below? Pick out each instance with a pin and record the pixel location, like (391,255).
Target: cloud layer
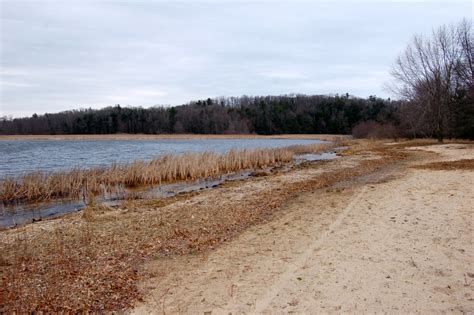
(59,55)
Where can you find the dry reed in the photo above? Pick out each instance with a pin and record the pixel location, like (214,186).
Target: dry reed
(164,169)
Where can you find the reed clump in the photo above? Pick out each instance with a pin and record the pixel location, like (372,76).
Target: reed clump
(164,169)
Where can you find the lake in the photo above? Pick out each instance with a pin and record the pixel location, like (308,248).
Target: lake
(18,157)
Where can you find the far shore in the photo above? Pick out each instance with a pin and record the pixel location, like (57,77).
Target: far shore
(126,136)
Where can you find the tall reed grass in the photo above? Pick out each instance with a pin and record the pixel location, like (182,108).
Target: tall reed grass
(42,186)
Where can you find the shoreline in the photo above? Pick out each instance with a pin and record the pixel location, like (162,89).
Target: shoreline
(22,213)
(150,137)
(40,186)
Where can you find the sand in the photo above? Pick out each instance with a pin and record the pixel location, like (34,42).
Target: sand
(398,242)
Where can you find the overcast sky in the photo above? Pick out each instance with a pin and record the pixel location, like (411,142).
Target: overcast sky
(59,55)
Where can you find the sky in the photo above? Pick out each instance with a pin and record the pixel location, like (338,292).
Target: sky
(68,54)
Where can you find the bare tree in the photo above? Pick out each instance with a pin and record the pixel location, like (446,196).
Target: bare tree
(465,67)
(431,72)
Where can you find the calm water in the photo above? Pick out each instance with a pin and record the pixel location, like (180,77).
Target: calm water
(20,157)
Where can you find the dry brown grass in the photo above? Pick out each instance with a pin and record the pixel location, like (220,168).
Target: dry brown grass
(93,263)
(164,169)
(466,164)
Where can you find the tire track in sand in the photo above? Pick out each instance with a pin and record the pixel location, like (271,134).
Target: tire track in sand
(264,301)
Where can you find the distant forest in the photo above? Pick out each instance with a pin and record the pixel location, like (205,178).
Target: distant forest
(266,115)
(233,115)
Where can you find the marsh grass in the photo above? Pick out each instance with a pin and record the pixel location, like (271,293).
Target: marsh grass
(164,169)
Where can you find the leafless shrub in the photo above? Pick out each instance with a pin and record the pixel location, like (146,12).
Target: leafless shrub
(375,130)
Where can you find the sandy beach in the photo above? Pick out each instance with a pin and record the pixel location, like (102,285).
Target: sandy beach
(399,242)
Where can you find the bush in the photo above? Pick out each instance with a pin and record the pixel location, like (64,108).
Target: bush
(375,130)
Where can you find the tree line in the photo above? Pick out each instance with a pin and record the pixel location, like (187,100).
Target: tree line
(226,115)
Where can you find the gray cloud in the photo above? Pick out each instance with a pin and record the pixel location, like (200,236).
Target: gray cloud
(58,55)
